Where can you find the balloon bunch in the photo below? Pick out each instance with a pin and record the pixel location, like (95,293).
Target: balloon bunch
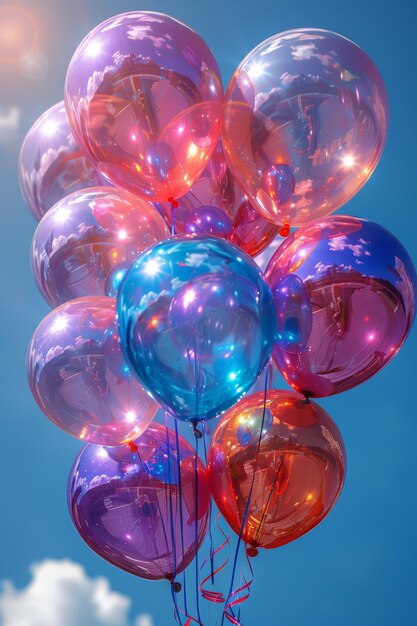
(154,191)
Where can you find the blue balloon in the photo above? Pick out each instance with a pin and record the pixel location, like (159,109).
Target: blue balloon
(197,324)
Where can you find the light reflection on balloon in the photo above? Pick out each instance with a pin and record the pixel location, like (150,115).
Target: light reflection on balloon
(305,121)
(197,324)
(127,505)
(361,286)
(79,378)
(143,95)
(51,165)
(82,243)
(297,476)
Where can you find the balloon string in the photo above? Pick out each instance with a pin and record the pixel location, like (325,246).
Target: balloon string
(210,509)
(174,205)
(197,569)
(228,609)
(174,549)
(181,513)
(215,596)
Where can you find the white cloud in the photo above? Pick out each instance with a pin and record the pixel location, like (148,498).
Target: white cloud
(61,593)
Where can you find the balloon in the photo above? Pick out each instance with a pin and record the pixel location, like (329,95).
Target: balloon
(295,479)
(196,320)
(352,286)
(51,165)
(82,240)
(305,120)
(79,378)
(144,97)
(127,505)
(216,205)
(209,220)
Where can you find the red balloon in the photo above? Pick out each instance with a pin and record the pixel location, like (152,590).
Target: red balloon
(292,483)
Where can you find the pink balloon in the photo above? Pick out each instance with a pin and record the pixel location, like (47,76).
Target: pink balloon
(305,120)
(51,165)
(143,94)
(87,238)
(79,377)
(349,303)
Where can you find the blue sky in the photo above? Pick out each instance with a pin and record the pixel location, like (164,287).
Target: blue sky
(356,568)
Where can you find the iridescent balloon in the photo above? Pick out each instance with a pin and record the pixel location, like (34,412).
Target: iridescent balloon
(294,313)
(305,120)
(295,479)
(79,378)
(361,286)
(83,239)
(209,220)
(51,165)
(144,97)
(136,507)
(197,324)
(216,205)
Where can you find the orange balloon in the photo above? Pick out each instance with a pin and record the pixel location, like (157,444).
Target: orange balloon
(295,479)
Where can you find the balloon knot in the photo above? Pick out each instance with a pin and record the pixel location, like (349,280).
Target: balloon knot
(173,202)
(176,586)
(132,446)
(251,551)
(284,231)
(197,432)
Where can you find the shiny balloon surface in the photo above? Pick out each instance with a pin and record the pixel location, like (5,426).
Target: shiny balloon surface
(197,324)
(216,205)
(349,303)
(51,165)
(305,121)
(79,378)
(85,239)
(294,480)
(136,506)
(143,94)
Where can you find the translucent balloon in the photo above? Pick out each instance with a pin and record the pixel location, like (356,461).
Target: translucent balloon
(216,205)
(144,96)
(353,287)
(127,505)
(88,236)
(197,324)
(293,482)
(51,165)
(305,120)
(79,378)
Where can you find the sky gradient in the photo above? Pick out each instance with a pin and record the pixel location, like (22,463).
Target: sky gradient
(357,567)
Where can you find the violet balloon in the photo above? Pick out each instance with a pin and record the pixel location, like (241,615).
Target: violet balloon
(361,286)
(305,120)
(143,94)
(83,239)
(216,205)
(136,507)
(79,378)
(51,165)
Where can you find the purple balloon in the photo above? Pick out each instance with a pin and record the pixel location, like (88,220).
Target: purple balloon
(136,506)
(51,165)
(79,377)
(83,241)
(361,285)
(209,220)
(294,313)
